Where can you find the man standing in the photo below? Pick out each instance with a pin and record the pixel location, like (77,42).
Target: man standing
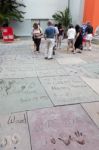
(50,33)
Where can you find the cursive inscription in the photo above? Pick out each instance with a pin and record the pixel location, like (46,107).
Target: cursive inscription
(14,119)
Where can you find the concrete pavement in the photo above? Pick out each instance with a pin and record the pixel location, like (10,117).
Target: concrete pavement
(48,104)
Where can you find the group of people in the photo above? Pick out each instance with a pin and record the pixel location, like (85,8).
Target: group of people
(53,35)
(78,36)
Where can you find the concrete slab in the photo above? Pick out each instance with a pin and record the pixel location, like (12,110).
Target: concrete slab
(16,61)
(51,72)
(17,71)
(90,56)
(68,90)
(92,67)
(22,94)
(43,64)
(93,110)
(38,55)
(16,58)
(14,134)
(76,70)
(70,60)
(93,83)
(62,128)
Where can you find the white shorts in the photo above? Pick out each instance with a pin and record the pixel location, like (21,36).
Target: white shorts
(89,37)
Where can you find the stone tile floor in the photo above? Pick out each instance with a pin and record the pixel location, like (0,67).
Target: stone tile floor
(48,104)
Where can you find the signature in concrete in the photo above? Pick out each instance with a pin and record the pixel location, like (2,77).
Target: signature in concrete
(13,119)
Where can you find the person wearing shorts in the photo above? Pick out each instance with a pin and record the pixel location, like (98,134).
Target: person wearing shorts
(89,36)
(71,33)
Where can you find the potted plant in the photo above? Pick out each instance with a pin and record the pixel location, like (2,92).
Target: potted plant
(64,18)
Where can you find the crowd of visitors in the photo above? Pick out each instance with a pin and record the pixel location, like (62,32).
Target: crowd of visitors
(78,37)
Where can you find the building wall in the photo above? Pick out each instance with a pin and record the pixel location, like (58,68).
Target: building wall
(96,14)
(22,28)
(91,12)
(77,9)
(43,10)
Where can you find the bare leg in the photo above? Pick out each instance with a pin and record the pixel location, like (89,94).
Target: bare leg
(69,45)
(90,46)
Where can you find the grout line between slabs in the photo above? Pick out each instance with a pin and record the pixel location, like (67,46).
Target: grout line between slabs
(29,130)
(46,92)
(89,116)
(89,86)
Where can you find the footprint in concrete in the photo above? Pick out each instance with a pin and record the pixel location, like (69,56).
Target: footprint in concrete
(15,139)
(3,142)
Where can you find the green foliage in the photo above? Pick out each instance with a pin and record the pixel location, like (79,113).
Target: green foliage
(10,10)
(63,17)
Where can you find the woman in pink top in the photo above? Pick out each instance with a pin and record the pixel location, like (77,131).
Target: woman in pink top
(36,36)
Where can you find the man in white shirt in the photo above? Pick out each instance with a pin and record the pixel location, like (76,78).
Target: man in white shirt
(71,33)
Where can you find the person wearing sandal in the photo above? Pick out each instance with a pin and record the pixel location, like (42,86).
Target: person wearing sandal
(36,36)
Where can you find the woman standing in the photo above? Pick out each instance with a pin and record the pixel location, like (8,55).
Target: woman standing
(60,35)
(79,39)
(36,36)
